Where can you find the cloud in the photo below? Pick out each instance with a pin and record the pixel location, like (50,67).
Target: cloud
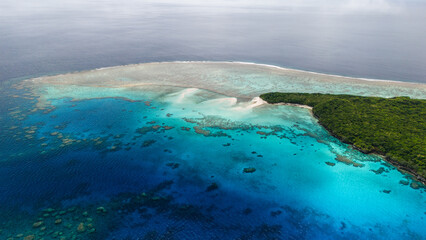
(380,6)
(10,7)
(335,6)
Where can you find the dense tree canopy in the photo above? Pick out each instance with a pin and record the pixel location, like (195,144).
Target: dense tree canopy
(393,127)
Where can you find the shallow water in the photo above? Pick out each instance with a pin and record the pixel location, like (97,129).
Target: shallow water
(119,160)
(238,79)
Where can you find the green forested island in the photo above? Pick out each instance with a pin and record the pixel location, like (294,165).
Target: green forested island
(392,127)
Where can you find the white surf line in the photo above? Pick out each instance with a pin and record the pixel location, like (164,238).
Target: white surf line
(255,64)
(293,69)
(237,62)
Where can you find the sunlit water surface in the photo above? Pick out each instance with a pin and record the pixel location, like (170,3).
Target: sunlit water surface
(187,151)
(381,39)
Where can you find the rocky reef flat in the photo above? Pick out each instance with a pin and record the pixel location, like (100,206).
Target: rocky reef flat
(133,153)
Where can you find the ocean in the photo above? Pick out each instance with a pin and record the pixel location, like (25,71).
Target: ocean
(380,39)
(180,146)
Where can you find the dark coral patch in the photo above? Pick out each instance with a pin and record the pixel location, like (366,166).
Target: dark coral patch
(249,170)
(212,187)
(348,161)
(148,143)
(173,165)
(404,182)
(380,170)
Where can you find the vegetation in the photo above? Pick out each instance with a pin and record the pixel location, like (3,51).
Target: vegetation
(393,127)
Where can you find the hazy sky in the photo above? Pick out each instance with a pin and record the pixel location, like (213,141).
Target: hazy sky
(9,7)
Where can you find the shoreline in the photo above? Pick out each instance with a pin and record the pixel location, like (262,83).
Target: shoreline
(72,78)
(401,168)
(293,104)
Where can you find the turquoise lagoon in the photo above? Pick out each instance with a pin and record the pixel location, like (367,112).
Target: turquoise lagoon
(186,150)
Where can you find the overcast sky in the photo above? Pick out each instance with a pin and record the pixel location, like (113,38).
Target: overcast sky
(8,7)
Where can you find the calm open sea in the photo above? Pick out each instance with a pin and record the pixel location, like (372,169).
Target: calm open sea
(186,150)
(372,39)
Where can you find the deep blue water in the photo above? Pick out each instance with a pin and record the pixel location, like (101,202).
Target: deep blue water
(161,162)
(353,38)
(170,163)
